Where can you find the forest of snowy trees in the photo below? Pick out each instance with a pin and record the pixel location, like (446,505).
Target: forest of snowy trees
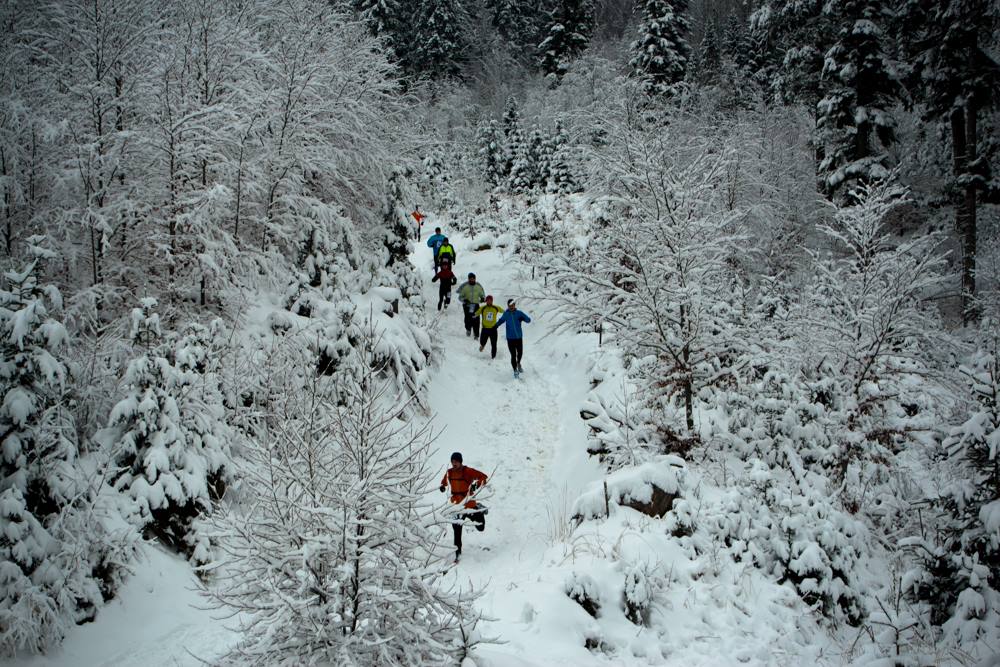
(783,216)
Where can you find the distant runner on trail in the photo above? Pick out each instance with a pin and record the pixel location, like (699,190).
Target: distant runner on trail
(419,217)
(448,280)
(490,316)
(434,242)
(470,295)
(447,251)
(464,481)
(512,318)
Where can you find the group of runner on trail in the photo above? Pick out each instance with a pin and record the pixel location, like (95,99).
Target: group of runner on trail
(477,306)
(482,320)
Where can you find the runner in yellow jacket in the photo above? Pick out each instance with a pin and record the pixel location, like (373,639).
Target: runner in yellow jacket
(489,315)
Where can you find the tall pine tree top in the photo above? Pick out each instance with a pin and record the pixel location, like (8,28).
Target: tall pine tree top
(662,52)
(570,26)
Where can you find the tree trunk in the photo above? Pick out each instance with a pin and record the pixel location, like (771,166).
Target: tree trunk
(963,137)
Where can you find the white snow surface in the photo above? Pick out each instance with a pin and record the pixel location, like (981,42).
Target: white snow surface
(528,436)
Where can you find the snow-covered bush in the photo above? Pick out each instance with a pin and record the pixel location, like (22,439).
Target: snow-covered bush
(329,559)
(582,589)
(789,529)
(958,570)
(58,561)
(619,432)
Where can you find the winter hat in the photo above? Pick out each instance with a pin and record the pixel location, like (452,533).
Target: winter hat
(457,456)
(489,298)
(446,239)
(510,302)
(472,275)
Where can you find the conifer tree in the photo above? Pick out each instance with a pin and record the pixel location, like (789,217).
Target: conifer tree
(854,118)
(385,19)
(971,554)
(570,26)
(526,172)
(661,52)
(519,24)
(513,136)
(708,60)
(442,47)
(560,177)
(57,563)
(396,221)
(168,469)
(491,151)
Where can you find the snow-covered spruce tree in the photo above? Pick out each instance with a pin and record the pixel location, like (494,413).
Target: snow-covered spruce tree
(657,274)
(958,570)
(492,152)
(560,175)
(334,561)
(170,471)
(513,135)
(781,521)
(854,118)
(706,63)
(387,20)
(197,358)
(525,172)
(661,52)
(570,25)
(864,325)
(442,46)
(519,23)
(57,561)
(798,35)
(397,225)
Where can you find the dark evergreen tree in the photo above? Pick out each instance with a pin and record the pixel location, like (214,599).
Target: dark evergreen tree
(397,236)
(385,19)
(662,52)
(708,59)
(796,35)
(513,136)
(570,26)
(440,47)
(951,47)
(520,24)
(854,117)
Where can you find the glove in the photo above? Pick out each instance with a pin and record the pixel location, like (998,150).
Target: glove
(473,487)
(441,489)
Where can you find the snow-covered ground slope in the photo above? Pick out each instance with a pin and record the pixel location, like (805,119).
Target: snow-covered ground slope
(527,435)
(157,619)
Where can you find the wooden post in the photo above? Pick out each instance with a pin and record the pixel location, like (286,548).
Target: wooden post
(600,332)
(607,504)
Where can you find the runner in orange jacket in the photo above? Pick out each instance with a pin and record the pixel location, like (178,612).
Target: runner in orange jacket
(464,481)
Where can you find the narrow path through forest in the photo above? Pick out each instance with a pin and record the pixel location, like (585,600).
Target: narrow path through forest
(525,433)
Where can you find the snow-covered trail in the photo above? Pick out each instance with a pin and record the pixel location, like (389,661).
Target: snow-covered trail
(527,435)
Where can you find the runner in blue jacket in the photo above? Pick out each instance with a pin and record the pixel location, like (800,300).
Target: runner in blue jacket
(511,319)
(435,242)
